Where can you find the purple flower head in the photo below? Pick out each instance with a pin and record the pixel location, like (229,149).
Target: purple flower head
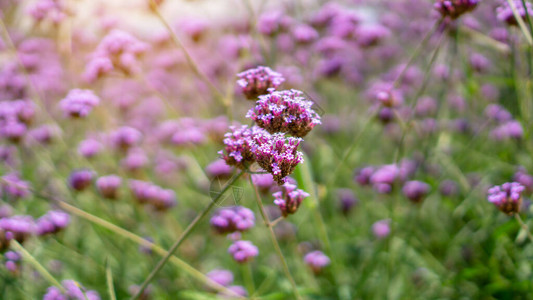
(52,222)
(512,129)
(108,186)
(363,175)
(273,22)
(238,151)
(521,176)
(317,260)
(347,200)
(371,35)
(13,187)
(79,103)
(149,193)
(73,291)
(304,34)
(498,113)
(284,111)
(448,188)
(89,148)
(384,177)
(12,130)
(289,199)
(222,277)
(80,179)
(479,63)
(381,229)
(277,154)
(415,190)
(135,159)
(455,8)
(219,168)
(263,181)
(389,97)
(96,68)
(258,81)
(243,251)
(125,138)
(231,219)
(505,14)
(236,289)
(12,262)
(507,197)
(18,227)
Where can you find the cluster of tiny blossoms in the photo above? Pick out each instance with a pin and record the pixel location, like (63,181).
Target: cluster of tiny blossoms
(79,103)
(232,219)
(284,111)
(289,199)
(507,197)
(455,8)
(505,14)
(258,81)
(73,291)
(238,151)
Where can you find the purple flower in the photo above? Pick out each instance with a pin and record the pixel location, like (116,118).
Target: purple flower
(521,176)
(231,219)
(108,186)
(277,154)
(13,187)
(79,103)
(415,190)
(512,129)
(149,193)
(347,200)
(317,260)
(371,35)
(222,277)
(272,22)
(479,63)
(126,137)
(80,179)
(505,14)
(304,34)
(52,222)
(384,177)
(264,182)
(455,8)
(238,151)
(258,81)
(507,197)
(89,148)
(18,227)
(498,113)
(12,263)
(236,289)
(289,199)
(284,111)
(243,251)
(448,188)
(73,291)
(219,168)
(363,175)
(381,229)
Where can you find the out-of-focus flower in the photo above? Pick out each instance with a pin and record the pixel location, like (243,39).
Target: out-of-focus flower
(448,188)
(512,129)
(498,113)
(455,8)
(505,14)
(304,34)
(73,291)
(507,197)
(383,178)
(125,138)
(258,81)
(18,227)
(222,277)
(13,187)
(347,200)
(285,111)
(231,219)
(12,261)
(108,186)
(381,229)
(53,10)
(289,199)
(89,148)
(243,251)
(479,63)
(79,103)
(273,22)
(264,182)
(52,222)
(415,190)
(317,261)
(521,176)
(80,179)
(219,169)
(235,289)
(149,193)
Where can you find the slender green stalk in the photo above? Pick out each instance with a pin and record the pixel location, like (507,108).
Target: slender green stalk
(36,265)
(524,226)
(109,281)
(248,278)
(184,236)
(275,241)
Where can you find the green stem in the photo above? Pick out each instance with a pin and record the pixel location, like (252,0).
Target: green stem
(275,241)
(184,235)
(248,278)
(524,226)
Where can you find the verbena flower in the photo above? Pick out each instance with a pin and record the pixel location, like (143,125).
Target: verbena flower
(243,251)
(505,14)
(125,138)
(231,219)
(80,179)
(317,260)
(284,111)
(13,187)
(89,148)
(108,186)
(18,227)
(455,8)
(289,199)
(238,146)
(258,81)
(507,197)
(222,277)
(13,261)
(277,154)
(73,291)
(415,190)
(79,103)
(347,200)
(381,229)
(148,193)
(52,222)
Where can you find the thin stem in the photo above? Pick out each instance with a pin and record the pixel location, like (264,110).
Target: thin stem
(275,241)
(36,265)
(184,235)
(248,278)
(109,281)
(145,243)
(524,226)
(276,221)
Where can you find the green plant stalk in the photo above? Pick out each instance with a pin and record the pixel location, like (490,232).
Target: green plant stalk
(36,265)
(184,236)
(275,242)
(524,226)
(109,281)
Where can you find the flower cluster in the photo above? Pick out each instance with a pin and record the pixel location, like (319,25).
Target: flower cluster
(53,10)
(80,179)
(505,14)
(231,219)
(52,222)
(108,186)
(13,187)
(148,193)
(507,197)
(243,251)
(277,154)
(381,228)
(79,103)
(258,81)
(73,291)
(15,117)
(238,151)
(317,260)
(289,199)
(415,190)
(12,262)
(285,111)
(125,138)
(455,8)
(18,227)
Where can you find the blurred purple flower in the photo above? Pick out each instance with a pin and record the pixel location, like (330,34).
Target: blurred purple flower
(243,251)
(317,261)
(258,81)
(231,219)
(507,197)
(79,103)
(108,186)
